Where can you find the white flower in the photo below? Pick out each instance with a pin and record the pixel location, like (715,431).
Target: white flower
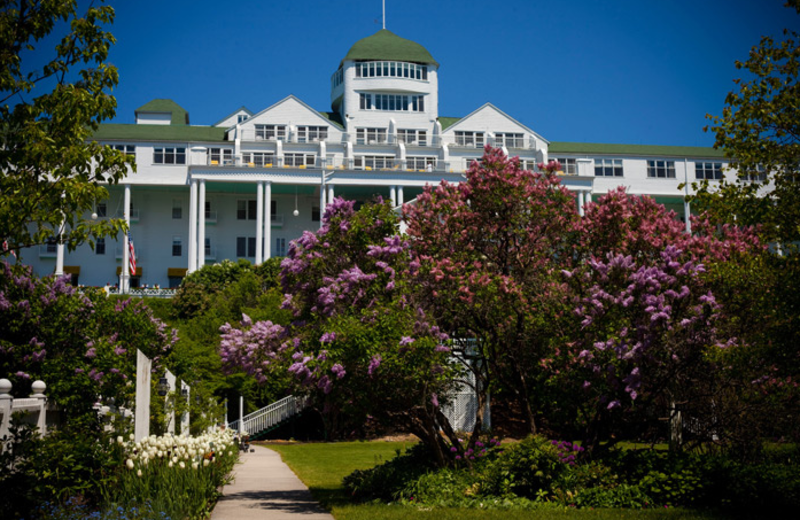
(131,437)
(170,464)
(138,473)
(205,462)
(129,463)
(182,465)
(119,439)
(195,465)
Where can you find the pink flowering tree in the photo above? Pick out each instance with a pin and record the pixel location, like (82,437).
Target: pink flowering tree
(358,344)
(488,256)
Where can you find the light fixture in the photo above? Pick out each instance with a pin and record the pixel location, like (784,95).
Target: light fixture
(94,210)
(162,386)
(296,212)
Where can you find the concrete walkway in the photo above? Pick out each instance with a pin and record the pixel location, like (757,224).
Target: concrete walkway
(264,488)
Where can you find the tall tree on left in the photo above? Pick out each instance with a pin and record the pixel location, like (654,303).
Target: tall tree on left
(51,102)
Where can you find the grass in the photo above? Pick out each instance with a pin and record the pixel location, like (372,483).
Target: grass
(322,466)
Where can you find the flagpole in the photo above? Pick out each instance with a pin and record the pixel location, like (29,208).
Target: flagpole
(384,14)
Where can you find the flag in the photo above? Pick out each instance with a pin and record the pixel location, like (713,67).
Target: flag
(132,258)
(7,250)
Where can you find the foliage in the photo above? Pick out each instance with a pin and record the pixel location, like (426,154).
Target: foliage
(52,174)
(357,335)
(487,251)
(759,131)
(83,346)
(385,481)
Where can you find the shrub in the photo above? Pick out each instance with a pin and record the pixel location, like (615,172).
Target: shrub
(386,481)
(526,469)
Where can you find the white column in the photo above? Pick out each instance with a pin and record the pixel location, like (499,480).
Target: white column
(192,266)
(581,202)
(687,213)
(170,395)
(330,193)
(6,401)
(124,276)
(393,195)
(241,415)
(141,428)
(60,250)
(267,221)
(187,404)
(259,221)
(400,199)
(201,234)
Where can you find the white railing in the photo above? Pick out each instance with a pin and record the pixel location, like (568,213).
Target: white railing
(34,407)
(271,415)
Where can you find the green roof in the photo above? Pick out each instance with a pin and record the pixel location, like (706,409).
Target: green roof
(334,118)
(633,149)
(386,45)
(179,115)
(159,132)
(448,121)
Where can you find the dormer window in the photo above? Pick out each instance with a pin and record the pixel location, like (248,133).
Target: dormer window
(469,139)
(392,102)
(270,132)
(311,134)
(370,135)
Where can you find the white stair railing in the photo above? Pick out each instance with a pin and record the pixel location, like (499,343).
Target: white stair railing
(270,415)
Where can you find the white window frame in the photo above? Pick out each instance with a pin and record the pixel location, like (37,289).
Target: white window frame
(660,169)
(604,167)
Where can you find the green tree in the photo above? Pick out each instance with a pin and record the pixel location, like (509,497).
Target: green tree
(759,130)
(52,174)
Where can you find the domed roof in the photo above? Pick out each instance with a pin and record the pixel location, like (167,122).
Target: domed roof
(386,45)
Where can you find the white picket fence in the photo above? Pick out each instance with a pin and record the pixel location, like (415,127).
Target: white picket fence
(269,416)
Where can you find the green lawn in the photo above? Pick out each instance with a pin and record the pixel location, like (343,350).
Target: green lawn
(322,466)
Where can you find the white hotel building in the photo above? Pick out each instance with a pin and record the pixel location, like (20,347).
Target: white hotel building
(248,185)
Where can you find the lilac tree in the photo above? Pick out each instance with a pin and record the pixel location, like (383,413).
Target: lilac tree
(489,252)
(358,343)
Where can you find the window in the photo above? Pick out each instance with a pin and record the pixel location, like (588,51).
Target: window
(299,159)
(246,210)
(707,170)
(391,69)
(241,118)
(101,209)
(51,245)
(393,102)
(127,149)
(528,164)
(246,247)
(207,248)
(177,246)
(273,208)
(169,155)
(280,247)
(508,139)
(337,78)
(760,175)
(421,163)
(260,159)
(100,246)
(208,214)
(315,214)
(219,156)
(417,137)
(608,167)
(469,139)
(310,134)
(661,169)
(568,165)
(370,135)
(374,162)
(270,132)
(177,209)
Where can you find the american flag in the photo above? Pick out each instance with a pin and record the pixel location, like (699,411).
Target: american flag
(132,259)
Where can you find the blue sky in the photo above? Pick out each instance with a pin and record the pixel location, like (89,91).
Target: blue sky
(614,71)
